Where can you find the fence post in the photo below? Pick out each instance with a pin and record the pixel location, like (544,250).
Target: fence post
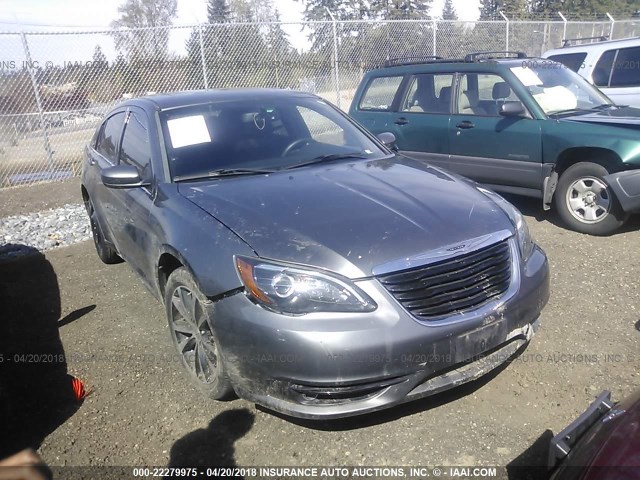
(613,24)
(335,56)
(564,31)
(506,20)
(434,26)
(36,93)
(202,59)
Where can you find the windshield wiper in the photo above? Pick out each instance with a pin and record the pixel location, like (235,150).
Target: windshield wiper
(605,106)
(568,111)
(328,158)
(222,172)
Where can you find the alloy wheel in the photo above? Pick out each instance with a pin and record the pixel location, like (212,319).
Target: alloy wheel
(192,333)
(588,200)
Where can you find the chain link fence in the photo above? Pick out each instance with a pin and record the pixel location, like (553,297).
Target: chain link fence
(55,87)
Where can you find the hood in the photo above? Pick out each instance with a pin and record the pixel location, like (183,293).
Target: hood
(627,117)
(349,217)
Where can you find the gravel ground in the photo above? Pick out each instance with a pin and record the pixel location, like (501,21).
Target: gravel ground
(52,228)
(143,411)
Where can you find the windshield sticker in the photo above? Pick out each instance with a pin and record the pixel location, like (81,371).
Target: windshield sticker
(528,77)
(555,99)
(187,131)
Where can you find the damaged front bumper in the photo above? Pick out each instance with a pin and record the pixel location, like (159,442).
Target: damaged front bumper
(626,187)
(323,366)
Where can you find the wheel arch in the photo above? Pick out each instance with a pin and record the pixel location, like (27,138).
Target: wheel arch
(600,156)
(170,260)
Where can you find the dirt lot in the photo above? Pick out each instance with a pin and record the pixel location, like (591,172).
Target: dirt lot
(143,411)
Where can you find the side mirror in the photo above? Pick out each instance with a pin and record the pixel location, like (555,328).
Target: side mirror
(512,109)
(122,176)
(388,139)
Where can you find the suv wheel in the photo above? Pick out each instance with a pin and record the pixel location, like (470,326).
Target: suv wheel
(190,325)
(105,251)
(584,201)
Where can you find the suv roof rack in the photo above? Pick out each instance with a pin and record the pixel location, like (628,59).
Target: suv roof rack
(567,41)
(474,57)
(395,62)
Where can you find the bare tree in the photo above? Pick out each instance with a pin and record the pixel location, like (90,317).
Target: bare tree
(139,33)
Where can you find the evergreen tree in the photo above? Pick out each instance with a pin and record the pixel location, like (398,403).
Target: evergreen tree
(401,9)
(227,42)
(591,8)
(585,9)
(489,9)
(450,34)
(449,11)
(218,11)
(99,59)
(195,76)
(547,7)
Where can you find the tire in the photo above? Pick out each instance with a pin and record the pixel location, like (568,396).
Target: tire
(191,326)
(584,201)
(106,252)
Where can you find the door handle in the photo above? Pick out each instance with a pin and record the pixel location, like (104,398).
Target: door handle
(465,125)
(401,121)
(91,161)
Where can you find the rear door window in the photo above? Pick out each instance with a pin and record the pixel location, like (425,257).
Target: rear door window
(429,93)
(626,68)
(380,93)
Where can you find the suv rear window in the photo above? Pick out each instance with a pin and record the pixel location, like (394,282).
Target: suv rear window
(602,71)
(429,93)
(573,61)
(626,69)
(380,93)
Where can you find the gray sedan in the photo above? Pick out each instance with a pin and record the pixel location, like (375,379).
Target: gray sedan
(303,264)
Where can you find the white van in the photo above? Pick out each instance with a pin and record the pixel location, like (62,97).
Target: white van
(611,65)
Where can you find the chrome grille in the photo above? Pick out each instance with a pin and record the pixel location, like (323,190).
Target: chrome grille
(453,285)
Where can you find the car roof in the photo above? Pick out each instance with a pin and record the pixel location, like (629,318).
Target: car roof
(449,65)
(168,101)
(605,44)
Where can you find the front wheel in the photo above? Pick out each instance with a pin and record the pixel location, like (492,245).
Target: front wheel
(191,327)
(584,201)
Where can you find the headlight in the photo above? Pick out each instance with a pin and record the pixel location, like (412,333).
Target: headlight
(525,242)
(298,290)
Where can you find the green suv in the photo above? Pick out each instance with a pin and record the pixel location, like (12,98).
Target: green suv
(520,125)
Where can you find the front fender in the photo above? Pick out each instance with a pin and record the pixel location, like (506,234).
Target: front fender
(200,242)
(561,137)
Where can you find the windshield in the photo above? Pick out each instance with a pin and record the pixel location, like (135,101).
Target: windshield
(559,89)
(251,136)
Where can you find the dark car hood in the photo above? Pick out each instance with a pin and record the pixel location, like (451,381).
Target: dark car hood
(349,217)
(628,117)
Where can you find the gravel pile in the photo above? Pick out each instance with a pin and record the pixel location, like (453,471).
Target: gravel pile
(45,230)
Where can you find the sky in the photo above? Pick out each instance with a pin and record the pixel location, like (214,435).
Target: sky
(29,14)
(81,15)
